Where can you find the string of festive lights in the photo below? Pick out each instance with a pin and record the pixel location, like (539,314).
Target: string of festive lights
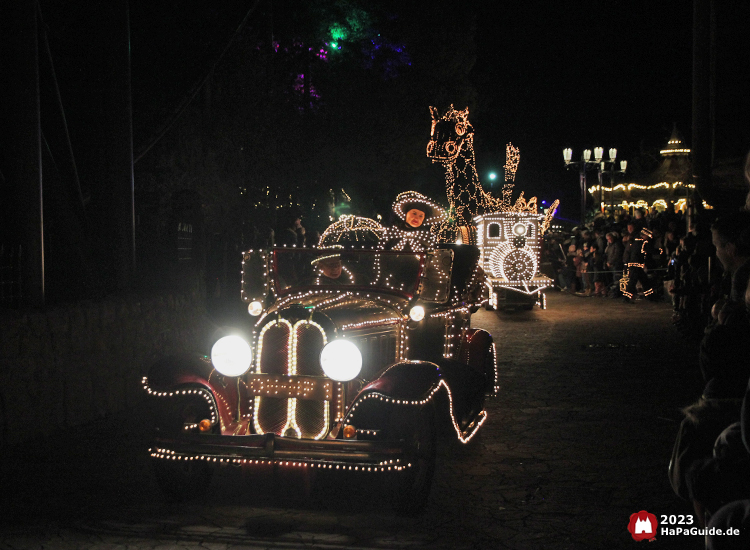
(548,217)
(351,229)
(512,159)
(383,466)
(630,186)
(464,436)
(201,392)
(452,144)
(292,335)
(412,199)
(264,383)
(416,240)
(373,323)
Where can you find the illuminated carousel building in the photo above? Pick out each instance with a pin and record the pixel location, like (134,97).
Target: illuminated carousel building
(669,183)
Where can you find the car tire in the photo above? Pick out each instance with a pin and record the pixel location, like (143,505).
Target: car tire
(411,487)
(183,480)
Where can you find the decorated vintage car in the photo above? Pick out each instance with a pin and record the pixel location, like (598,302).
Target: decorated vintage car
(355,358)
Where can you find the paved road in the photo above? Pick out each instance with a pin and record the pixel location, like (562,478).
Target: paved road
(578,439)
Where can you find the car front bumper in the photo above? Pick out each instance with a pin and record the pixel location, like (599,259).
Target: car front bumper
(334,454)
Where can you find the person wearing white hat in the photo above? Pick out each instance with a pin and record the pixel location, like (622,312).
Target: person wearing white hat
(411,233)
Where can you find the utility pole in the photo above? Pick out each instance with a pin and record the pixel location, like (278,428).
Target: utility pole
(22,145)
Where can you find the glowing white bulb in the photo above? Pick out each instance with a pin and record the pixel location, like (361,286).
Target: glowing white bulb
(255,308)
(341,360)
(519,229)
(416,313)
(231,356)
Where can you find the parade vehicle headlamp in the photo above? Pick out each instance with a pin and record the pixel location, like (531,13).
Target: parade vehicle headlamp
(416,313)
(231,355)
(255,308)
(519,229)
(341,360)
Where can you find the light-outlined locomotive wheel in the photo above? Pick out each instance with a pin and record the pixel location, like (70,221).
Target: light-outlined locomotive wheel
(518,265)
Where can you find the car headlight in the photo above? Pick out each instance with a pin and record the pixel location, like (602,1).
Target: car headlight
(416,313)
(341,360)
(231,355)
(255,308)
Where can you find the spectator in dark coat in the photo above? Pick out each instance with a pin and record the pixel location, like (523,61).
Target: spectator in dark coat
(613,252)
(568,271)
(596,267)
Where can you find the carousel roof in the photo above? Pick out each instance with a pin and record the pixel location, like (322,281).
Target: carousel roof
(676,166)
(671,181)
(675,146)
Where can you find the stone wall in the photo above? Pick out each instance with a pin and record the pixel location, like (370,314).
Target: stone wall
(72,364)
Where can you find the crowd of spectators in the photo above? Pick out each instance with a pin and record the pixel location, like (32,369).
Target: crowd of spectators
(702,266)
(628,256)
(710,465)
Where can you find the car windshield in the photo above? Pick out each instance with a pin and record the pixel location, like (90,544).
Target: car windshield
(299,267)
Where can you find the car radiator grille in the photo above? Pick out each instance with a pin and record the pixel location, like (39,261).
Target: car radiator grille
(378,350)
(292,352)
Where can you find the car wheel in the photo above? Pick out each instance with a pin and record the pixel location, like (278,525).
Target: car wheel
(411,487)
(182,480)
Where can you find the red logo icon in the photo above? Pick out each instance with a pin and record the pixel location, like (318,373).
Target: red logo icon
(642,526)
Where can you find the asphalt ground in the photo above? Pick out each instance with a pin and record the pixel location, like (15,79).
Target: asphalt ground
(578,439)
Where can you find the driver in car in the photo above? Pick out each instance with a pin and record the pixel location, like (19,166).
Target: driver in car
(329,270)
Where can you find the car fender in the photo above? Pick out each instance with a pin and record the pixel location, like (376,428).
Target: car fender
(173,376)
(416,384)
(476,344)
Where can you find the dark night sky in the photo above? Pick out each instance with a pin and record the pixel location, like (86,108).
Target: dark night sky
(549,75)
(611,74)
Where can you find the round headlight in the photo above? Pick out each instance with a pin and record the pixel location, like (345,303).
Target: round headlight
(231,356)
(255,308)
(416,313)
(519,229)
(341,360)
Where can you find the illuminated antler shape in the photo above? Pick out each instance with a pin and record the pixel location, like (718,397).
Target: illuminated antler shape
(523,206)
(548,217)
(512,158)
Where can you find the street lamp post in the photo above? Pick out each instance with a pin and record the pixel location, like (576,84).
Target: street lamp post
(586,162)
(612,171)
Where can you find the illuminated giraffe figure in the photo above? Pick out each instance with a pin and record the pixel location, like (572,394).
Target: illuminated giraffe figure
(452,145)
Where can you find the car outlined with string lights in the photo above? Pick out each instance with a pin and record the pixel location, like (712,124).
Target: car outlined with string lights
(357,373)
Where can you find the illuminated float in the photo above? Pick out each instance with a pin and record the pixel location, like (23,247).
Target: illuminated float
(352,375)
(509,235)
